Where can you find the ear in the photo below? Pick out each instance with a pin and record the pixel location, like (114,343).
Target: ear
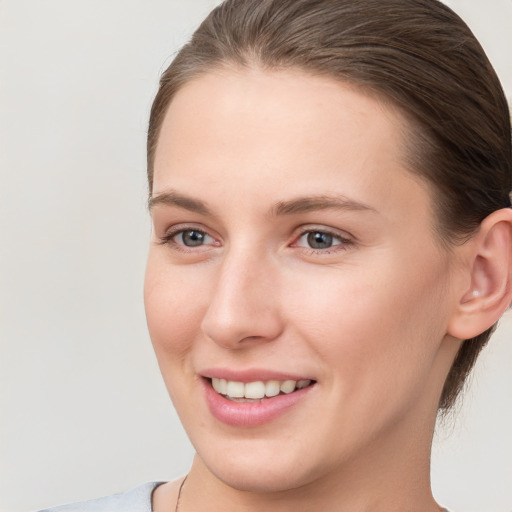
(490,275)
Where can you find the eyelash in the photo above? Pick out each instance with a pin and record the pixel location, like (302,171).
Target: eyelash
(342,245)
(344,242)
(168,238)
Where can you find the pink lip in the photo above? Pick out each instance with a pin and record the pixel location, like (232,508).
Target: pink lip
(251,414)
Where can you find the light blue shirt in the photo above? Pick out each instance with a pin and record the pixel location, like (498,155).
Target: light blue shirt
(137,499)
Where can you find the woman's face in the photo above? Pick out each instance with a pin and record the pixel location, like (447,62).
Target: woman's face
(291,244)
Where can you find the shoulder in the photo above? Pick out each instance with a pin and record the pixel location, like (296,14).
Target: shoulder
(137,499)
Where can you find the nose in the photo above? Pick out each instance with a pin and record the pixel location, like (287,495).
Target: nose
(243,307)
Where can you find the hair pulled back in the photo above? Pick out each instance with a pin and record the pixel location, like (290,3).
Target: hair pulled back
(417,55)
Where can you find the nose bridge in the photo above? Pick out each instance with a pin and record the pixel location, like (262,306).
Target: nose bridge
(243,303)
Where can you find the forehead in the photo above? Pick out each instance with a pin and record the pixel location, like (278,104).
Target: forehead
(265,104)
(286,130)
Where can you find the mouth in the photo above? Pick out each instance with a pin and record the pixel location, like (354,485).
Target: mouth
(254,397)
(257,391)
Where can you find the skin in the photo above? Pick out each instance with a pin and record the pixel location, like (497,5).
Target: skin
(368,318)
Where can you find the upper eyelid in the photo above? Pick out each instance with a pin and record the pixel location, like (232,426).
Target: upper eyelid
(338,233)
(171,233)
(184,226)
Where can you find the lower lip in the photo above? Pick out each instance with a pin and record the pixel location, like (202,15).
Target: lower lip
(251,414)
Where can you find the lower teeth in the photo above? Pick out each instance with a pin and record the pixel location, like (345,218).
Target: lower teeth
(248,400)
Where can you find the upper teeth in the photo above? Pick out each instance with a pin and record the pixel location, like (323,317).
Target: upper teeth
(256,389)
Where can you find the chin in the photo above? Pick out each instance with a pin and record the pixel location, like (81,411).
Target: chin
(263,465)
(266,477)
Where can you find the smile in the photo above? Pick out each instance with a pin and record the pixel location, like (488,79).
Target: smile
(256,390)
(250,403)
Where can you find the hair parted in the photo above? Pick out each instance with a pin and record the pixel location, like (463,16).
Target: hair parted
(419,56)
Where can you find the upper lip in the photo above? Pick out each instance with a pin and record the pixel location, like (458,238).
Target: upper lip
(252,375)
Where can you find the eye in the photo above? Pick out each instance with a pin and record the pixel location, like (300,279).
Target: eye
(186,239)
(321,241)
(192,238)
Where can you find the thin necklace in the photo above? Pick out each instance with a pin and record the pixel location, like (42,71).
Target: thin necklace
(179,495)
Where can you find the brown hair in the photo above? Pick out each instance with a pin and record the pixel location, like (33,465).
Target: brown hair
(416,54)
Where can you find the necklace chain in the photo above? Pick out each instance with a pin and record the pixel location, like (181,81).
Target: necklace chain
(179,495)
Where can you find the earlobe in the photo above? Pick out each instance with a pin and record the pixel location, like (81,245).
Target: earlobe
(490,275)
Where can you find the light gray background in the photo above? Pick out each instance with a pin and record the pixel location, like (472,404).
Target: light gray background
(83,409)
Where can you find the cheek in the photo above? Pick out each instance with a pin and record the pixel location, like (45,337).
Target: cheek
(373,327)
(174,310)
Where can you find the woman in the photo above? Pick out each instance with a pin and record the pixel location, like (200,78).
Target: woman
(329,189)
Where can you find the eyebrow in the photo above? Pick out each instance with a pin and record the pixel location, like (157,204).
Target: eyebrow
(294,206)
(173,198)
(323,202)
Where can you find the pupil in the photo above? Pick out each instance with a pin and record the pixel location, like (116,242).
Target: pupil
(192,238)
(318,240)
